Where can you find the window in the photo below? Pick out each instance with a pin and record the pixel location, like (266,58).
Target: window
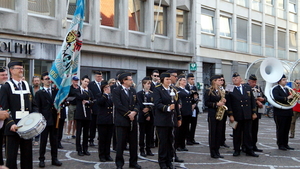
(242,25)
(292,12)
(42,7)
(10,4)
(281,40)
(207,21)
(242,2)
(256,5)
(109,13)
(72,8)
(292,7)
(160,19)
(181,24)
(256,34)
(293,42)
(136,15)
(269,36)
(269,7)
(280,4)
(225,26)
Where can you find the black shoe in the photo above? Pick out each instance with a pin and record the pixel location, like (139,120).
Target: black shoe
(102,160)
(92,144)
(170,166)
(218,154)
(231,135)
(85,152)
(42,164)
(214,155)
(73,136)
(225,145)
(149,153)
(143,154)
(136,166)
(56,162)
(119,167)
(257,150)
(60,146)
(289,148)
(251,153)
(236,153)
(80,153)
(178,160)
(108,158)
(282,148)
(189,143)
(194,142)
(185,149)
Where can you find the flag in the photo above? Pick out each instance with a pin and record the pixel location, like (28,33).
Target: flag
(66,62)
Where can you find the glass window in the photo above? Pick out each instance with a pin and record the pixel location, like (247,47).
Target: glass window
(225,26)
(256,5)
(269,36)
(269,2)
(242,2)
(242,25)
(160,19)
(293,42)
(108,13)
(256,34)
(280,4)
(292,7)
(207,24)
(72,8)
(10,4)
(42,7)
(281,40)
(136,15)
(181,24)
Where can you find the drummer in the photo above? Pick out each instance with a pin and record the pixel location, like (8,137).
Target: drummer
(15,93)
(44,99)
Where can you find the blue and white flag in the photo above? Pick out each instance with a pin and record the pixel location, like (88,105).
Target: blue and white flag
(66,62)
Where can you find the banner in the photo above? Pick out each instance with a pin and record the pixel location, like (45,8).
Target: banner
(66,62)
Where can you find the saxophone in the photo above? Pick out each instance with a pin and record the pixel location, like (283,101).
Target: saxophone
(221,109)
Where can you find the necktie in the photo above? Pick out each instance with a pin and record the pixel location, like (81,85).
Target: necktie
(99,85)
(284,90)
(49,92)
(20,86)
(127,91)
(239,89)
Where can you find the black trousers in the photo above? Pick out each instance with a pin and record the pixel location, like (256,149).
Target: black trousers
(52,132)
(61,129)
(145,132)
(215,129)
(223,137)
(165,145)
(12,146)
(283,124)
(243,129)
(254,131)
(191,136)
(82,126)
(105,132)
(93,127)
(183,131)
(1,144)
(123,133)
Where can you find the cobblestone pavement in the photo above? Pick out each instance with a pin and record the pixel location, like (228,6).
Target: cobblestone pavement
(197,156)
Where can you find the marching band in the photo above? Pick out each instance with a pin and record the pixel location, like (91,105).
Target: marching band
(165,110)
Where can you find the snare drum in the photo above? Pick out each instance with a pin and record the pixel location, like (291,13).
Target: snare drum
(31,125)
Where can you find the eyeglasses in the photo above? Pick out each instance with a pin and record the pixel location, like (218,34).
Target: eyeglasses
(47,78)
(19,68)
(155,75)
(174,75)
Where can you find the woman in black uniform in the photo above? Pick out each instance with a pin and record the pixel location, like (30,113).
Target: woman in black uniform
(84,101)
(104,122)
(213,100)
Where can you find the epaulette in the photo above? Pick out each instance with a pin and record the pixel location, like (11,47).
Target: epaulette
(158,85)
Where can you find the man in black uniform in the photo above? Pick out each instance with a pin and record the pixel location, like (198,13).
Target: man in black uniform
(260,100)
(95,87)
(3,79)
(155,79)
(282,117)
(15,93)
(126,108)
(44,99)
(241,108)
(192,129)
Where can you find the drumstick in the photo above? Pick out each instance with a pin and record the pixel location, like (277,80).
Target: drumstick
(19,126)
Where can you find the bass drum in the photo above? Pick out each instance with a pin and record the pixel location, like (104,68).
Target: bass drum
(31,125)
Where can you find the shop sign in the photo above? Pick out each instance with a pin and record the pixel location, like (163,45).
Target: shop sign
(193,66)
(15,47)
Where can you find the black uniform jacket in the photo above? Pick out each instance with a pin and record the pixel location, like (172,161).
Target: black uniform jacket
(95,90)
(124,105)
(80,96)
(261,95)
(162,100)
(281,96)
(45,104)
(241,106)
(12,102)
(186,102)
(141,99)
(105,115)
(211,100)
(153,86)
(193,89)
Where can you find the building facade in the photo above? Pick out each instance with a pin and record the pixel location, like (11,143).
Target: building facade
(132,35)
